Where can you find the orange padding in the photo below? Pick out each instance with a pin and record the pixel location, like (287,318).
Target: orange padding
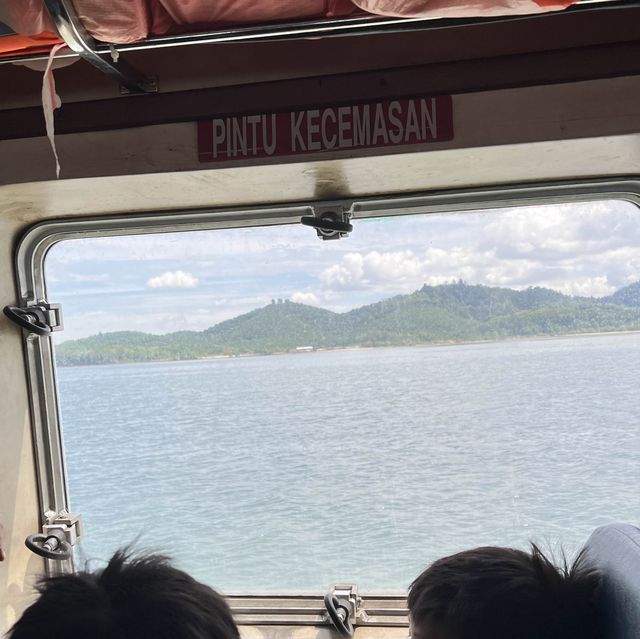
(13,45)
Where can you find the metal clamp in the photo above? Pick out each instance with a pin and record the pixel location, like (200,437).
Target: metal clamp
(329,223)
(58,537)
(342,604)
(41,319)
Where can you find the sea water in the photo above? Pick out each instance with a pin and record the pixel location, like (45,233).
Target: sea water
(288,473)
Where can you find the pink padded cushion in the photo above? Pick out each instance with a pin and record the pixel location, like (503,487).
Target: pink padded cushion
(459,8)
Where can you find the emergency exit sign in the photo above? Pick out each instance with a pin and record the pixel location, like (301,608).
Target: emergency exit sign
(396,123)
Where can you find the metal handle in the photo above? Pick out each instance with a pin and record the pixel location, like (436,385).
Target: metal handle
(327,222)
(54,545)
(339,614)
(31,319)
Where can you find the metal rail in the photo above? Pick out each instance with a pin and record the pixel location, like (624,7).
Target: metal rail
(389,611)
(77,38)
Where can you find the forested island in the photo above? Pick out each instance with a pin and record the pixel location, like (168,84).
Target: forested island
(447,313)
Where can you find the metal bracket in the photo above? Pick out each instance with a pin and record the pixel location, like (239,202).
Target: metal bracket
(149,85)
(69,523)
(330,222)
(41,319)
(77,38)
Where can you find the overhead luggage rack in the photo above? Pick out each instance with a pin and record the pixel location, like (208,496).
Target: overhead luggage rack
(105,56)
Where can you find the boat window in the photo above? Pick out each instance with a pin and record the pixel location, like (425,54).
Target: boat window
(282,413)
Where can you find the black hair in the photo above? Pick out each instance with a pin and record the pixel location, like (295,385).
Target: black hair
(132,598)
(502,593)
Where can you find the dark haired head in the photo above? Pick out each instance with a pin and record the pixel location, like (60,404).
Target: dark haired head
(501,593)
(132,598)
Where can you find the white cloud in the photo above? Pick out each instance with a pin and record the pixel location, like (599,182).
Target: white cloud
(586,287)
(403,271)
(562,230)
(302,297)
(346,274)
(202,245)
(393,266)
(376,268)
(173,279)
(583,250)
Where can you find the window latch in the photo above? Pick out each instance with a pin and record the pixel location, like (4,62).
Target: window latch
(342,604)
(41,319)
(330,223)
(57,538)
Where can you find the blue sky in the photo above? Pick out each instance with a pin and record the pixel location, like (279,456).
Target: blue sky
(189,281)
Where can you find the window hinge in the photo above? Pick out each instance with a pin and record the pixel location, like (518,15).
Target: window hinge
(63,531)
(41,319)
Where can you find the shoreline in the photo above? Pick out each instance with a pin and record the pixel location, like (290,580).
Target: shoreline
(434,344)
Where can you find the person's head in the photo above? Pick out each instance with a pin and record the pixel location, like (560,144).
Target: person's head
(501,593)
(132,598)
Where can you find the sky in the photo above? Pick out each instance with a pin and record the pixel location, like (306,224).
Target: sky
(162,283)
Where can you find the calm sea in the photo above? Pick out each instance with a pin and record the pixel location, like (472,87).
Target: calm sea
(293,472)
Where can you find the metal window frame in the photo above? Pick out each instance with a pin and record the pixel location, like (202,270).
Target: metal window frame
(250,609)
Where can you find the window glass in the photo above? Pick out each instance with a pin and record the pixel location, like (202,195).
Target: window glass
(281,413)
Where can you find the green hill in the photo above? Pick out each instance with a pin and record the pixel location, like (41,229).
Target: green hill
(274,328)
(627,296)
(450,312)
